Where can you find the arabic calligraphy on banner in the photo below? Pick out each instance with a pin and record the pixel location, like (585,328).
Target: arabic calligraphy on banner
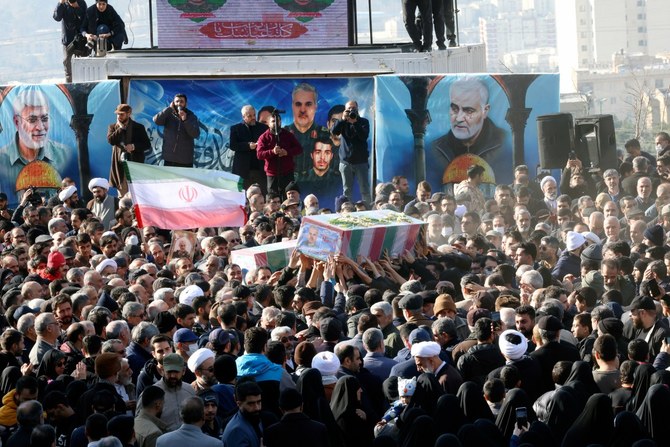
(261,24)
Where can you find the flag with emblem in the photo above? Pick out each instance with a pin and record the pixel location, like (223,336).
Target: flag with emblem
(182,198)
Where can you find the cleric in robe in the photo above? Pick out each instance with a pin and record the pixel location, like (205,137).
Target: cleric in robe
(31,141)
(472,131)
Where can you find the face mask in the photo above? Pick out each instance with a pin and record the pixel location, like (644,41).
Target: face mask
(132,240)
(659,148)
(447,231)
(192,348)
(500,230)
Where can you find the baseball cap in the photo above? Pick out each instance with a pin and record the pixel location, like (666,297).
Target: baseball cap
(184,335)
(173,362)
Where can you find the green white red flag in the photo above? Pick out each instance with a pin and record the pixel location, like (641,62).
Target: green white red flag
(182,198)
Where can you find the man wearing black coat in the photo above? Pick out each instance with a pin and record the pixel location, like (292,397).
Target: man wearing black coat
(294,421)
(552,350)
(243,138)
(71,15)
(129,141)
(102,20)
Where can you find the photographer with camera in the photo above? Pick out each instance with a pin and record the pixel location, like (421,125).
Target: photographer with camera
(71,15)
(102,21)
(354,131)
(129,140)
(278,147)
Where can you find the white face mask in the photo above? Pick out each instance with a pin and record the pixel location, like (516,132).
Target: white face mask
(500,230)
(132,240)
(447,231)
(659,148)
(192,348)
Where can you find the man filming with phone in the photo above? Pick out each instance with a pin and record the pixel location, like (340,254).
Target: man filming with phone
(182,128)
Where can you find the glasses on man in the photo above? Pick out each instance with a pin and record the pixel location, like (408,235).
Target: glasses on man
(32,119)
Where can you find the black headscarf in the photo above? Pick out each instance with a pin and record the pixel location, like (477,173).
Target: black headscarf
(579,392)
(470,436)
(641,383)
(344,403)
(448,415)
(660,377)
(627,429)
(310,386)
(384,441)
(421,432)
(654,413)
(8,379)
(594,424)
(538,435)
(491,431)
(428,391)
(582,372)
(344,399)
(473,404)
(315,404)
(48,364)
(562,411)
(448,440)
(506,419)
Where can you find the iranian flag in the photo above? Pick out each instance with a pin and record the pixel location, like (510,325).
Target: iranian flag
(182,198)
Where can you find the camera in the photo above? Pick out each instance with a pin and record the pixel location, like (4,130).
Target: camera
(353,114)
(90,45)
(34,199)
(278,112)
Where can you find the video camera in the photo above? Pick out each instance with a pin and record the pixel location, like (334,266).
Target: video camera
(35,199)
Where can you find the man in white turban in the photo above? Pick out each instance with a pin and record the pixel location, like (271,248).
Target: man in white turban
(103,205)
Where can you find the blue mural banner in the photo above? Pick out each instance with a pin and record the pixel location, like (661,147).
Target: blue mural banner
(434,127)
(218,104)
(52,131)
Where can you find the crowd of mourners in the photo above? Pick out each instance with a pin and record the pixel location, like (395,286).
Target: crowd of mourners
(538,317)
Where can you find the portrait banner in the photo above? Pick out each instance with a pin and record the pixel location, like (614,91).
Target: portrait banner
(52,131)
(258,24)
(434,127)
(218,104)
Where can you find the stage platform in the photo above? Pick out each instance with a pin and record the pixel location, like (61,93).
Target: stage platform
(350,61)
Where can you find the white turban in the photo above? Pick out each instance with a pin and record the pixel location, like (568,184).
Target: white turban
(104,264)
(326,362)
(189,294)
(198,358)
(509,349)
(98,182)
(545,180)
(67,193)
(574,240)
(426,349)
